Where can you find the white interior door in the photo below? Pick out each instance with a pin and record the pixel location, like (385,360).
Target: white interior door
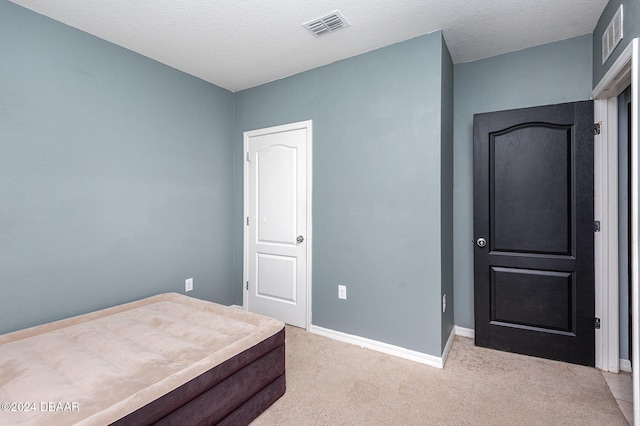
(277,234)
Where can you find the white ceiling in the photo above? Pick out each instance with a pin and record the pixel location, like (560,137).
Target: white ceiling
(237,44)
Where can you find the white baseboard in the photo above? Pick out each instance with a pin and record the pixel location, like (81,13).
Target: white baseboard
(465,332)
(625,365)
(386,348)
(236,306)
(447,347)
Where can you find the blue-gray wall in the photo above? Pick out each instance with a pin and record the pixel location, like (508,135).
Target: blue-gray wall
(623,221)
(115,175)
(377,187)
(121,177)
(549,74)
(446,191)
(631,29)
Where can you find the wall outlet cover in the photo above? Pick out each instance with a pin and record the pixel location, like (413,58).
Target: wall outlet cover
(342,292)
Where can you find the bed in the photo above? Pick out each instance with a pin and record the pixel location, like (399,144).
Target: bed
(168,359)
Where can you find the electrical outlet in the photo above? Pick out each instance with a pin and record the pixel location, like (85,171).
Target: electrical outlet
(444,303)
(188,284)
(342,292)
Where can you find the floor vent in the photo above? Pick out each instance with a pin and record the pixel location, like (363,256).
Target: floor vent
(612,35)
(326,24)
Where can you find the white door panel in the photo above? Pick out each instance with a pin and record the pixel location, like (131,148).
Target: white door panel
(276,277)
(276,194)
(277,237)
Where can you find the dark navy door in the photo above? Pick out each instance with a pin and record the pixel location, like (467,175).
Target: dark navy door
(533,226)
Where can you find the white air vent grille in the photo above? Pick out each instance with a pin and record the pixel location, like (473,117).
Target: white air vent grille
(326,24)
(612,35)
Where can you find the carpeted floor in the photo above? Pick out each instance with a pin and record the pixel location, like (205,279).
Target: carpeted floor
(334,383)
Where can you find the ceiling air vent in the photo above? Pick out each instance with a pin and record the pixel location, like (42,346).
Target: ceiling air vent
(612,35)
(326,24)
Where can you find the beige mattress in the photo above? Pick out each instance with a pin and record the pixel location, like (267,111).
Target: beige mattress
(96,368)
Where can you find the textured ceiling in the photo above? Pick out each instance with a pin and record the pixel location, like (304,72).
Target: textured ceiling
(238,44)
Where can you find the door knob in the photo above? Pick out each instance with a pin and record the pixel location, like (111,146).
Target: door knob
(481,242)
(300,238)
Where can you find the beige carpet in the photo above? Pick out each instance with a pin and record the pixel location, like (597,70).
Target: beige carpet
(334,383)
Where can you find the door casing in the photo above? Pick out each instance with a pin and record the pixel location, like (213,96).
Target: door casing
(308,125)
(623,72)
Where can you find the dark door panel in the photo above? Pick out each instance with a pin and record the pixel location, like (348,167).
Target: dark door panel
(529,218)
(533,298)
(533,204)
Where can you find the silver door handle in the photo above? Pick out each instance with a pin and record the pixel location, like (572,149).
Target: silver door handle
(300,238)
(481,242)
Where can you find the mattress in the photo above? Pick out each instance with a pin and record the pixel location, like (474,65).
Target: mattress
(168,358)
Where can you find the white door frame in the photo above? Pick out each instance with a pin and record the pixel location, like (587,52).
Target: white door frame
(623,72)
(308,234)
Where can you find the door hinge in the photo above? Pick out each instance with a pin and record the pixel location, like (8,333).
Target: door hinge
(247,285)
(248,157)
(247,220)
(596,226)
(597,323)
(596,128)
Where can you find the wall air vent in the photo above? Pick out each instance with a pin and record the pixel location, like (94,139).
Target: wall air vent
(326,24)
(612,35)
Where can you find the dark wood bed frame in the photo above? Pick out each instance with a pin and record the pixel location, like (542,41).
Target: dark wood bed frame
(232,393)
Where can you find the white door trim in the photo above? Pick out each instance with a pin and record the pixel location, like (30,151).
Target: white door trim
(308,234)
(623,72)
(606,241)
(635,79)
